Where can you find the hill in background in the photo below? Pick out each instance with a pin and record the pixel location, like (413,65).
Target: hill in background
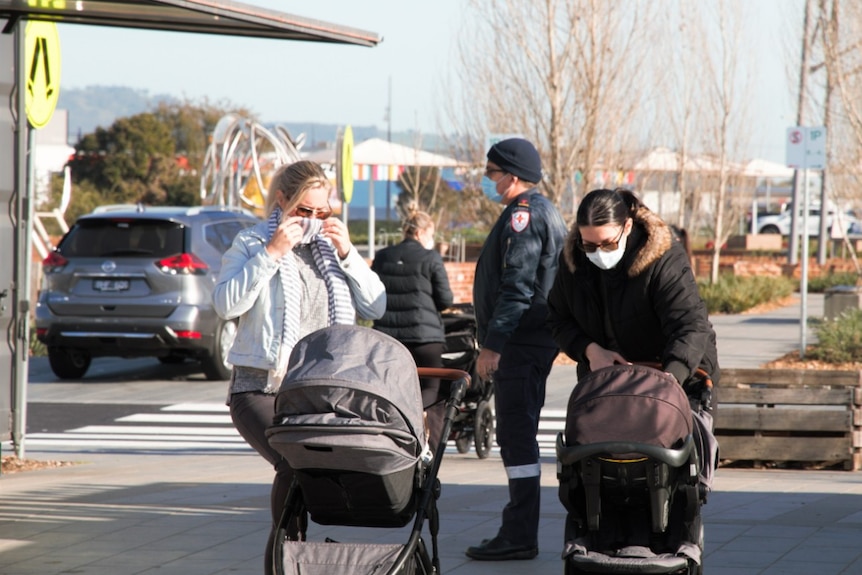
(100,106)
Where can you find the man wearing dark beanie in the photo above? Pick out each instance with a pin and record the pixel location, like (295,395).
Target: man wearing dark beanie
(515,271)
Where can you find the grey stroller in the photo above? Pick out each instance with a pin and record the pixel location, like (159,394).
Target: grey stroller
(349,420)
(634,465)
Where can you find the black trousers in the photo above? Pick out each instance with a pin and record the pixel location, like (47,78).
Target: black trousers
(519,394)
(252,412)
(433,399)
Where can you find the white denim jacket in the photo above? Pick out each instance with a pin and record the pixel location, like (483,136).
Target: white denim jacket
(249,288)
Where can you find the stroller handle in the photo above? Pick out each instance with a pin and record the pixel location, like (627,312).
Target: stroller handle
(459,376)
(701,373)
(701,394)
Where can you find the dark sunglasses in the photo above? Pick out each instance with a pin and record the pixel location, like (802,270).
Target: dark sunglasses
(608,246)
(319,213)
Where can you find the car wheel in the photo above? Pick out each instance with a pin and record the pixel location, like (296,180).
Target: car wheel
(68,363)
(483,434)
(770,229)
(215,364)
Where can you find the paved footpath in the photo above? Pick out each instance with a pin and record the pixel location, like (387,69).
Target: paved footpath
(130,513)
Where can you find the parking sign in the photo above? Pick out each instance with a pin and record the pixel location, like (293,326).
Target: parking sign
(806,147)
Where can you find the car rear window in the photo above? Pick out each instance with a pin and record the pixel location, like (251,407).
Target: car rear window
(220,235)
(123,237)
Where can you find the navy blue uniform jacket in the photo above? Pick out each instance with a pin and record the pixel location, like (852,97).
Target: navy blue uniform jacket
(515,272)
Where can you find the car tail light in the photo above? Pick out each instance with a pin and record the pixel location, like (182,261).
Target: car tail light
(186,334)
(182,264)
(54,263)
(41,332)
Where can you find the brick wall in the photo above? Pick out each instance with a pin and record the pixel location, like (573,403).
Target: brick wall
(741,264)
(461,280)
(461,274)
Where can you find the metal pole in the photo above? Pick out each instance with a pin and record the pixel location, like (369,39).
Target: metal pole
(23,250)
(803,283)
(371,213)
(800,121)
(389,139)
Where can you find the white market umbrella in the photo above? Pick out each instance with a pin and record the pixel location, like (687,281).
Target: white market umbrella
(666,160)
(379,152)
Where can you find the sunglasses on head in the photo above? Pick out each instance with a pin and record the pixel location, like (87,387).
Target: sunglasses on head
(607,246)
(319,213)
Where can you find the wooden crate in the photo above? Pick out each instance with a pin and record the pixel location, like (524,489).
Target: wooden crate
(790,415)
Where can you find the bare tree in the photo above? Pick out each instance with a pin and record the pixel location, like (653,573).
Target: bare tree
(726,124)
(559,72)
(842,116)
(678,72)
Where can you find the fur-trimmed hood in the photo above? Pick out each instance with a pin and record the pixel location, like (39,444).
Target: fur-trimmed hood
(659,238)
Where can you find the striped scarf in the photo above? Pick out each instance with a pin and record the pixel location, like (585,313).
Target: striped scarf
(341,308)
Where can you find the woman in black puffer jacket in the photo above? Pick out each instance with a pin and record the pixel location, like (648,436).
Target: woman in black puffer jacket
(625,292)
(417,289)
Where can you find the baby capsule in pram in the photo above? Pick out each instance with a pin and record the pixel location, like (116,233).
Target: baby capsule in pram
(349,420)
(631,466)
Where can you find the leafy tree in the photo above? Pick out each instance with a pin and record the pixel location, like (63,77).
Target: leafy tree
(152,158)
(129,161)
(191,125)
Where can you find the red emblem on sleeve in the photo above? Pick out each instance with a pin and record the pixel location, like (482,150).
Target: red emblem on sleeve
(520,220)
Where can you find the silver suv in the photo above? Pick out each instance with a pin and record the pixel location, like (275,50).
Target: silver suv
(135,281)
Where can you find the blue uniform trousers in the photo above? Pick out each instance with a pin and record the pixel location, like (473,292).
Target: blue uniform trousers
(519,389)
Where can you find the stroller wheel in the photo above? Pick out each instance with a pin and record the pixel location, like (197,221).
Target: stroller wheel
(462,442)
(484,430)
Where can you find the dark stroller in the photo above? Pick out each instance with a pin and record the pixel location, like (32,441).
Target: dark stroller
(349,420)
(631,473)
(474,420)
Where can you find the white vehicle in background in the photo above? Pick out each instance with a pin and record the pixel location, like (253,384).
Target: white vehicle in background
(780,223)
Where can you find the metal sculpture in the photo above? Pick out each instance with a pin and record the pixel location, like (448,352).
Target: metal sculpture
(241,154)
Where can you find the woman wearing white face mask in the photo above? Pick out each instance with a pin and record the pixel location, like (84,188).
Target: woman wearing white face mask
(625,292)
(417,290)
(284,278)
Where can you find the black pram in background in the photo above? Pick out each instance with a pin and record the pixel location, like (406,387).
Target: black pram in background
(349,420)
(635,465)
(474,421)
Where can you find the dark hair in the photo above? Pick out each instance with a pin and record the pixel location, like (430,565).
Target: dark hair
(601,207)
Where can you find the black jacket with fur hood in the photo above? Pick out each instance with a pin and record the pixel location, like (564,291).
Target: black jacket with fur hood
(651,299)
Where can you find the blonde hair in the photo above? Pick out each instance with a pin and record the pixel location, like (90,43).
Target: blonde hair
(416,222)
(292,181)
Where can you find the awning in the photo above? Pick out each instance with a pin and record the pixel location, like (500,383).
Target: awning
(378,152)
(203,16)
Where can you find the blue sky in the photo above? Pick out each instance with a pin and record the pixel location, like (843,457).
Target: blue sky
(284,81)
(299,81)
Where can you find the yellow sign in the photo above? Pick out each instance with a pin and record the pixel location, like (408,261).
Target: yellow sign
(42,65)
(346,167)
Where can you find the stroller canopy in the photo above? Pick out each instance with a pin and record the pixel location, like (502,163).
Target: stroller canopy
(628,402)
(354,378)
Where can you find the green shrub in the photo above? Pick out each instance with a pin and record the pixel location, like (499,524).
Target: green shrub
(37,348)
(824,282)
(839,340)
(735,294)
